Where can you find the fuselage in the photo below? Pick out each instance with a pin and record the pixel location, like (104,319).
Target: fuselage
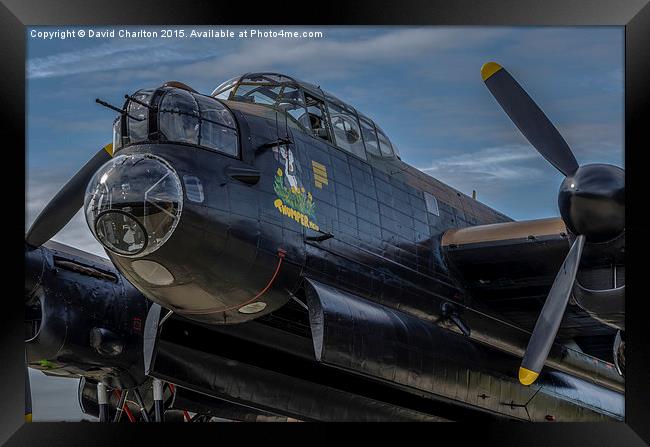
(289,205)
(369,224)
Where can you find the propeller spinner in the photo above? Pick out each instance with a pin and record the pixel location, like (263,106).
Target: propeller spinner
(591,202)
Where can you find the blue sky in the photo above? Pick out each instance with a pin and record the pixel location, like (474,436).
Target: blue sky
(421,85)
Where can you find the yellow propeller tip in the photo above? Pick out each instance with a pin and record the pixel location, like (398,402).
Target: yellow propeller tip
(28,417)
(526,376)
(488,69)
(109,148)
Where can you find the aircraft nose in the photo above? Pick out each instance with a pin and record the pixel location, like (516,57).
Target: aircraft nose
(133,203)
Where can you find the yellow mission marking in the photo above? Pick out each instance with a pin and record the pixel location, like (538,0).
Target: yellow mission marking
(320,174)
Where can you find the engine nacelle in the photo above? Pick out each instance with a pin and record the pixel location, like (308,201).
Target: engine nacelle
(82,318)
(600,283)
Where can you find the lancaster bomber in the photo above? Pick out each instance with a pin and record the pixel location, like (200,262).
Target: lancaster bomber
(271,257)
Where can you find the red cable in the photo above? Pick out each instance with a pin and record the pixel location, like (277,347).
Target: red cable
(128,412)
(281,255)
(185,413)
(125,407)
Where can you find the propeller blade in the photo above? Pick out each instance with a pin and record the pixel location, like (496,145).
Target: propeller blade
(528,117)
(65,204)
(550,318)
(28,394)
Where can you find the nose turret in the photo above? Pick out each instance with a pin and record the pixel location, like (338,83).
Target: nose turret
(133,203)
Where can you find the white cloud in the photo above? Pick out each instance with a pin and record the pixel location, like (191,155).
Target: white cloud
(330,58)
(326,58)
(106,57)
(487,166)
(42,186)
(514,179)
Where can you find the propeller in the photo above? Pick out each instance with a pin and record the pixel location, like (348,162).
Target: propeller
(591,202)
(65,204)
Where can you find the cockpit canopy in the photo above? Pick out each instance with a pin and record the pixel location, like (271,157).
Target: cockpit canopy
(315,111)
(176,113)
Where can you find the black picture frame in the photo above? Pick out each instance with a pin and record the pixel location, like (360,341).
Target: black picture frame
(634,15)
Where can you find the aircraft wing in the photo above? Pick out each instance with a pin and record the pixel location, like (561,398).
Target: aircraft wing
(510,267)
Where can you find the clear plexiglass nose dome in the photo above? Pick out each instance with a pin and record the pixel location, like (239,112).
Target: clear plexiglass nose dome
(133,204)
